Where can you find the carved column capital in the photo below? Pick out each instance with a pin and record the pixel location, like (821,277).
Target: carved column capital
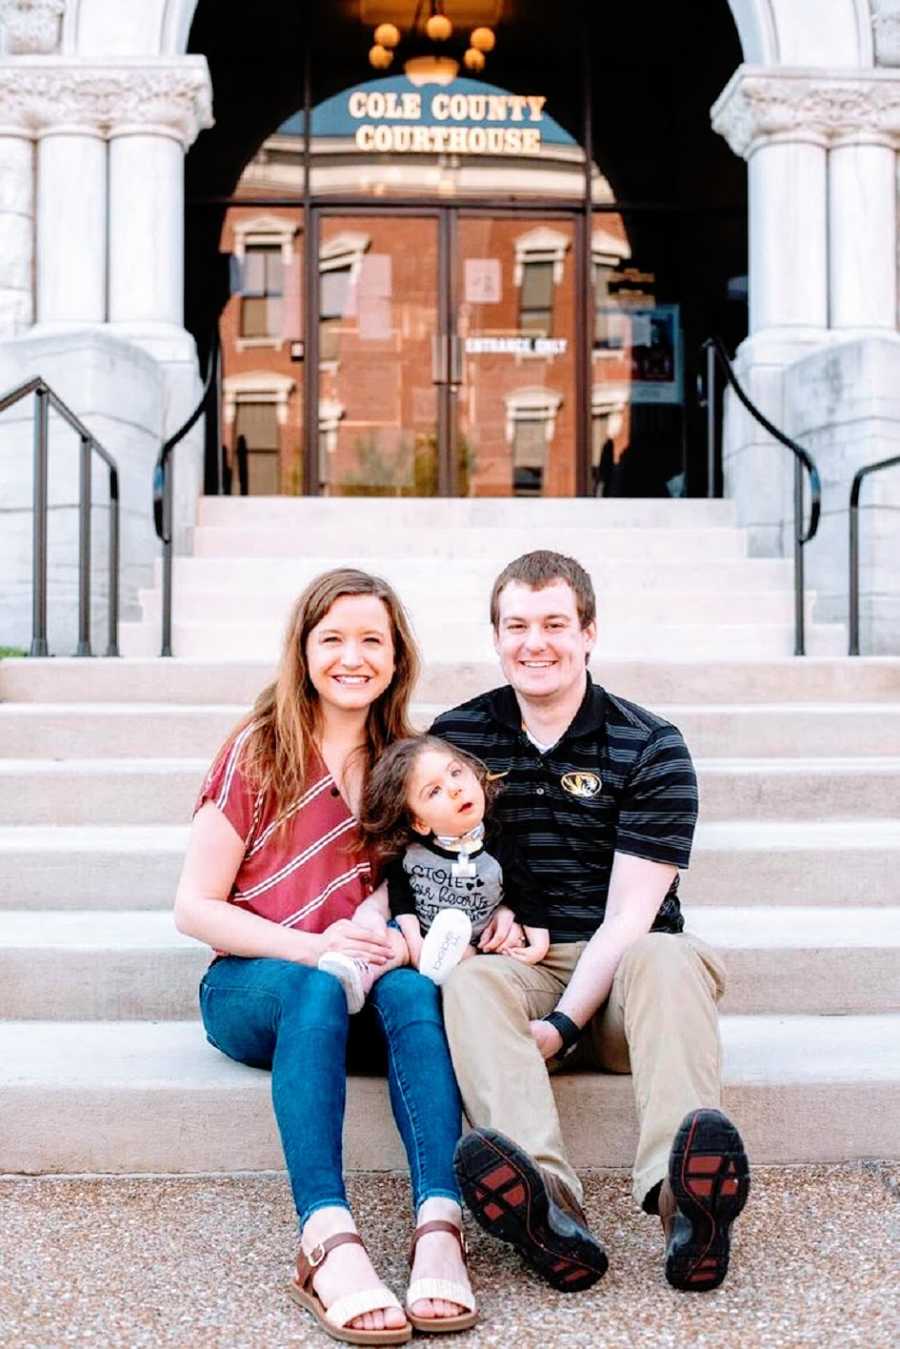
(171,97)
(818,107)
(31,27)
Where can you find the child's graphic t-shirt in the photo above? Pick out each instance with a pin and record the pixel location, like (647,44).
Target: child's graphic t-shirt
(423,881)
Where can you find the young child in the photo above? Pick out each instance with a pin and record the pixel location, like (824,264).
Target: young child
(450,874)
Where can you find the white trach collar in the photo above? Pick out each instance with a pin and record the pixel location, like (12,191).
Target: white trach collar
(466,844)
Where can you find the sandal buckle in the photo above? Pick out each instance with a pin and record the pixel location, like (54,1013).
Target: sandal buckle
(316,1255)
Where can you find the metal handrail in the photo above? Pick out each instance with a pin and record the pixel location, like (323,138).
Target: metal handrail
(854,544)
(45,399)
(715,351)
(164,493)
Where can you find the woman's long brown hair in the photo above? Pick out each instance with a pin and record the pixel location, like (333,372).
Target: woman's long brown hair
(285,715)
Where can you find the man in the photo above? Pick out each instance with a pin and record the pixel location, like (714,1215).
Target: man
(601,797)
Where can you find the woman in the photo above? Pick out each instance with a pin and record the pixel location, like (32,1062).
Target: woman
(273,874)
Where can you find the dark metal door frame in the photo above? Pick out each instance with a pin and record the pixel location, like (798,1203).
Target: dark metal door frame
(448,357)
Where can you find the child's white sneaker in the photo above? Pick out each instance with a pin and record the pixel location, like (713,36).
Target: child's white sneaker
(354,976)
(445,944)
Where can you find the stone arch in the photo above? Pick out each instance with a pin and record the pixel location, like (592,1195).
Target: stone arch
(771,32)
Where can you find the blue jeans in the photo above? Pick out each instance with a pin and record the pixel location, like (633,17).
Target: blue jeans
(293,1019)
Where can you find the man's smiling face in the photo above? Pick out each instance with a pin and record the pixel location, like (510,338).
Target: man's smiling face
(540,641)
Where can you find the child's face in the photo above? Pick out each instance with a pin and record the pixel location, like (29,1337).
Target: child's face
(444,795)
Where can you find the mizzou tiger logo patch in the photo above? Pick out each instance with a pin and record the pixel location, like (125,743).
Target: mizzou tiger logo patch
(581,784)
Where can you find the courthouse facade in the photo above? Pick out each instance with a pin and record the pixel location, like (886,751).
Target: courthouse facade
(490,277)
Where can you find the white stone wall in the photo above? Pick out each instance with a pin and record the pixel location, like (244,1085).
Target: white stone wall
(823,354)
(91,281)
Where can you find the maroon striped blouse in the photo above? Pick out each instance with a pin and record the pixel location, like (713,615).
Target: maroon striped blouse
(305,875)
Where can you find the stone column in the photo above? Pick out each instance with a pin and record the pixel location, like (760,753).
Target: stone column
(862,218)
(70,270)
(761,116)
(165,106)
(16,221)
(27,27)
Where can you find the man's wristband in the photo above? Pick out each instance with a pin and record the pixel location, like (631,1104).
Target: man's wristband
(569,1033)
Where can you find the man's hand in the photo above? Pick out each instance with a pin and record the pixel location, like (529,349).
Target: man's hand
(546,1037)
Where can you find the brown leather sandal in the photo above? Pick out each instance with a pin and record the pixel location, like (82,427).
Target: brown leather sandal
(334,1319)
(444,1289)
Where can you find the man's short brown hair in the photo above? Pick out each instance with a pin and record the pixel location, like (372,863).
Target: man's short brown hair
(541,568)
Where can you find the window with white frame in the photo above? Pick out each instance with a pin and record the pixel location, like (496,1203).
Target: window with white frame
(258,424)
(340,262)
(530,428)
(539,266)
(262,292)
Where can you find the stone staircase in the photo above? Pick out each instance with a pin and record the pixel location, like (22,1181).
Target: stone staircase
(673,578)
(796,871)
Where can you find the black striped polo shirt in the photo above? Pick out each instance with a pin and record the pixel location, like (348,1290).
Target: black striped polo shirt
(620,780)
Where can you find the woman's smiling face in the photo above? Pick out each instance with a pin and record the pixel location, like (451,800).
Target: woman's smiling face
(350,653)
(444,796)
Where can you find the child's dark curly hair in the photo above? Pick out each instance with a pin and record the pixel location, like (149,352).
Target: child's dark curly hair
(384,817)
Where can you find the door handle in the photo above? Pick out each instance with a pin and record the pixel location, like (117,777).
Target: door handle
(440,358)
(456,362)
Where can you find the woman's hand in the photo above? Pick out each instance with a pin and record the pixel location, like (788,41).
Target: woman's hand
(502,932)
(546,1037)
(350,939)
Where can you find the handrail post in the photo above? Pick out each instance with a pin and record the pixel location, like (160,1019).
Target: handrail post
(168,494)
(799,590)
(39,527)
(854,569)
(112,648)
(84,550)
(710,421)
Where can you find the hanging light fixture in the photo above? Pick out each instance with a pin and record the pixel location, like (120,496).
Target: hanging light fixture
(427,59)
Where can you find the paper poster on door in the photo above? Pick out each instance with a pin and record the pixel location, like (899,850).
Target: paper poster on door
(373,297)
(483,281)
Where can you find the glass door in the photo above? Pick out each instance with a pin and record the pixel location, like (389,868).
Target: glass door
(379,317)
(515,412)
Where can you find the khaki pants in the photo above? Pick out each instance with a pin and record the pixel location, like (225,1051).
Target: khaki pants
(659,1023)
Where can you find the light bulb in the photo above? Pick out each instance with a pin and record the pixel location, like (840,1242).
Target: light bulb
(438,27)
(482,39)
(387,35)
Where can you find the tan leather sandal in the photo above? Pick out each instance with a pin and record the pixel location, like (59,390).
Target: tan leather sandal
(444,1289)
(335,1319)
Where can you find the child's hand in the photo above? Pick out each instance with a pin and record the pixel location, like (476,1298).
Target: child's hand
(501,931)
(400,948)
(537,948)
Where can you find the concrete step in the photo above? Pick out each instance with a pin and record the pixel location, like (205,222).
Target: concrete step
(116,730)
(389,514)
(654,682)
(90,866)
(473,643)
(733,863)
(469,611)
(472,576)
(162,791)
(124,1097)
(119,966)
(586,542)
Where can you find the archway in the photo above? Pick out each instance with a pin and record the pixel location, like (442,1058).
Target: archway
(678,193)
